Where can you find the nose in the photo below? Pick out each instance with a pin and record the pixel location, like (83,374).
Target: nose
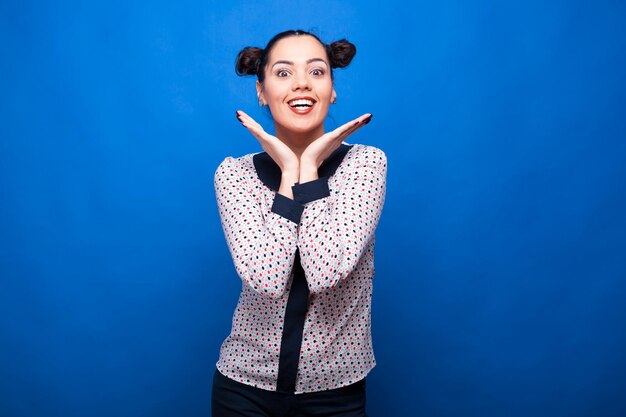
(301,82)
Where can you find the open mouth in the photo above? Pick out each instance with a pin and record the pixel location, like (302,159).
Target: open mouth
(301,104)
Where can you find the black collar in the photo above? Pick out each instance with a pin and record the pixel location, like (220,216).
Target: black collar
(269,172)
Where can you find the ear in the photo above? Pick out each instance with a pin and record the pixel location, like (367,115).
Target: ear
(333,96)
(259,92)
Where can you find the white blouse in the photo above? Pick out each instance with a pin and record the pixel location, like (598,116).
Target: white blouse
(329,227)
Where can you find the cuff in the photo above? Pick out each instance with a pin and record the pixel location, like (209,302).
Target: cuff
(311,190)
(288,208)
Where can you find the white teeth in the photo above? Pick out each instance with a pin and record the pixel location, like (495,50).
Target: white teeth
(300,103)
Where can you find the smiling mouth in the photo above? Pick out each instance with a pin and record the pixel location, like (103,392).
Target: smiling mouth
(301,104)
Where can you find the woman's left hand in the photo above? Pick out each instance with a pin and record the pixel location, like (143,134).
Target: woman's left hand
(325,145)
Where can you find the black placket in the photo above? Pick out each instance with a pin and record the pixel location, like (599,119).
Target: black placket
(291,343)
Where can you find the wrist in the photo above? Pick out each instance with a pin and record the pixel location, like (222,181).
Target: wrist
(287,181)
(291,173)
(308,171)
(290,177)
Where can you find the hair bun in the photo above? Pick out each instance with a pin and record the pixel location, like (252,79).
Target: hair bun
(248,60)
(341,53)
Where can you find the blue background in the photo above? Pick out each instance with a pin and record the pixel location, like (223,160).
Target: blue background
(501,266)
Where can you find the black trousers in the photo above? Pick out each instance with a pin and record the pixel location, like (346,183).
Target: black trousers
(231,398)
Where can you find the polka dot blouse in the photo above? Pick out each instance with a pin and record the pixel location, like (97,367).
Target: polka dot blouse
(329,228)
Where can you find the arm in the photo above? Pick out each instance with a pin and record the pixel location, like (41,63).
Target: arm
(336,229)
(262,246)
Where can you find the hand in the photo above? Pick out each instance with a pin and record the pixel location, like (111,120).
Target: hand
(284,157)
(325,145)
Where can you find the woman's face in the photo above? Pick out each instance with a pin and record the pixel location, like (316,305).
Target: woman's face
(298,87)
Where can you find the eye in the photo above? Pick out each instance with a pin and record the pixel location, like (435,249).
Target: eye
(282,73)
(318,72)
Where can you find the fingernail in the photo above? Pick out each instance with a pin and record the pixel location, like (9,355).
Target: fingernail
(366,121)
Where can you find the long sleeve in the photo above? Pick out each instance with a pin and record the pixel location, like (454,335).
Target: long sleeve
(327,229)
(336,228)
(262,245)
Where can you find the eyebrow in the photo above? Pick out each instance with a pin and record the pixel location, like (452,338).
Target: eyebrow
(291,63)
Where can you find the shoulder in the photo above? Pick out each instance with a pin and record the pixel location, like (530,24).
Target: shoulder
(368,155)
(234,166)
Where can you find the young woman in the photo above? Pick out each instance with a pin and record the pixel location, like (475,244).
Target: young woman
(299,220)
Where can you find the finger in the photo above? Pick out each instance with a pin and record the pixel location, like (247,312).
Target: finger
(346,126)
(351,126)
(349,132)
(255,128)
(354,125)
(245,119)
(364,119)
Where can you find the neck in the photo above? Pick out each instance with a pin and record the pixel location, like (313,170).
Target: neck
(298,141)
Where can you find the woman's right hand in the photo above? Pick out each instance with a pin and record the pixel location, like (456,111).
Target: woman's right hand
(284,157)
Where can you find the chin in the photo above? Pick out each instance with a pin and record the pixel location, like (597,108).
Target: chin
(304,129)
(302,126)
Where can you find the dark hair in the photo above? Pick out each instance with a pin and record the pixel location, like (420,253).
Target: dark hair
(252,60)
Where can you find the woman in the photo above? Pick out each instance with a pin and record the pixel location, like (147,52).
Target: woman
(299,220)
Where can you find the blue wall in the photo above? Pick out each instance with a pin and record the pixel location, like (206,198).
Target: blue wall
(501,264)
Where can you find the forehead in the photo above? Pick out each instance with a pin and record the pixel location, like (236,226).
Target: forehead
(297,49)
